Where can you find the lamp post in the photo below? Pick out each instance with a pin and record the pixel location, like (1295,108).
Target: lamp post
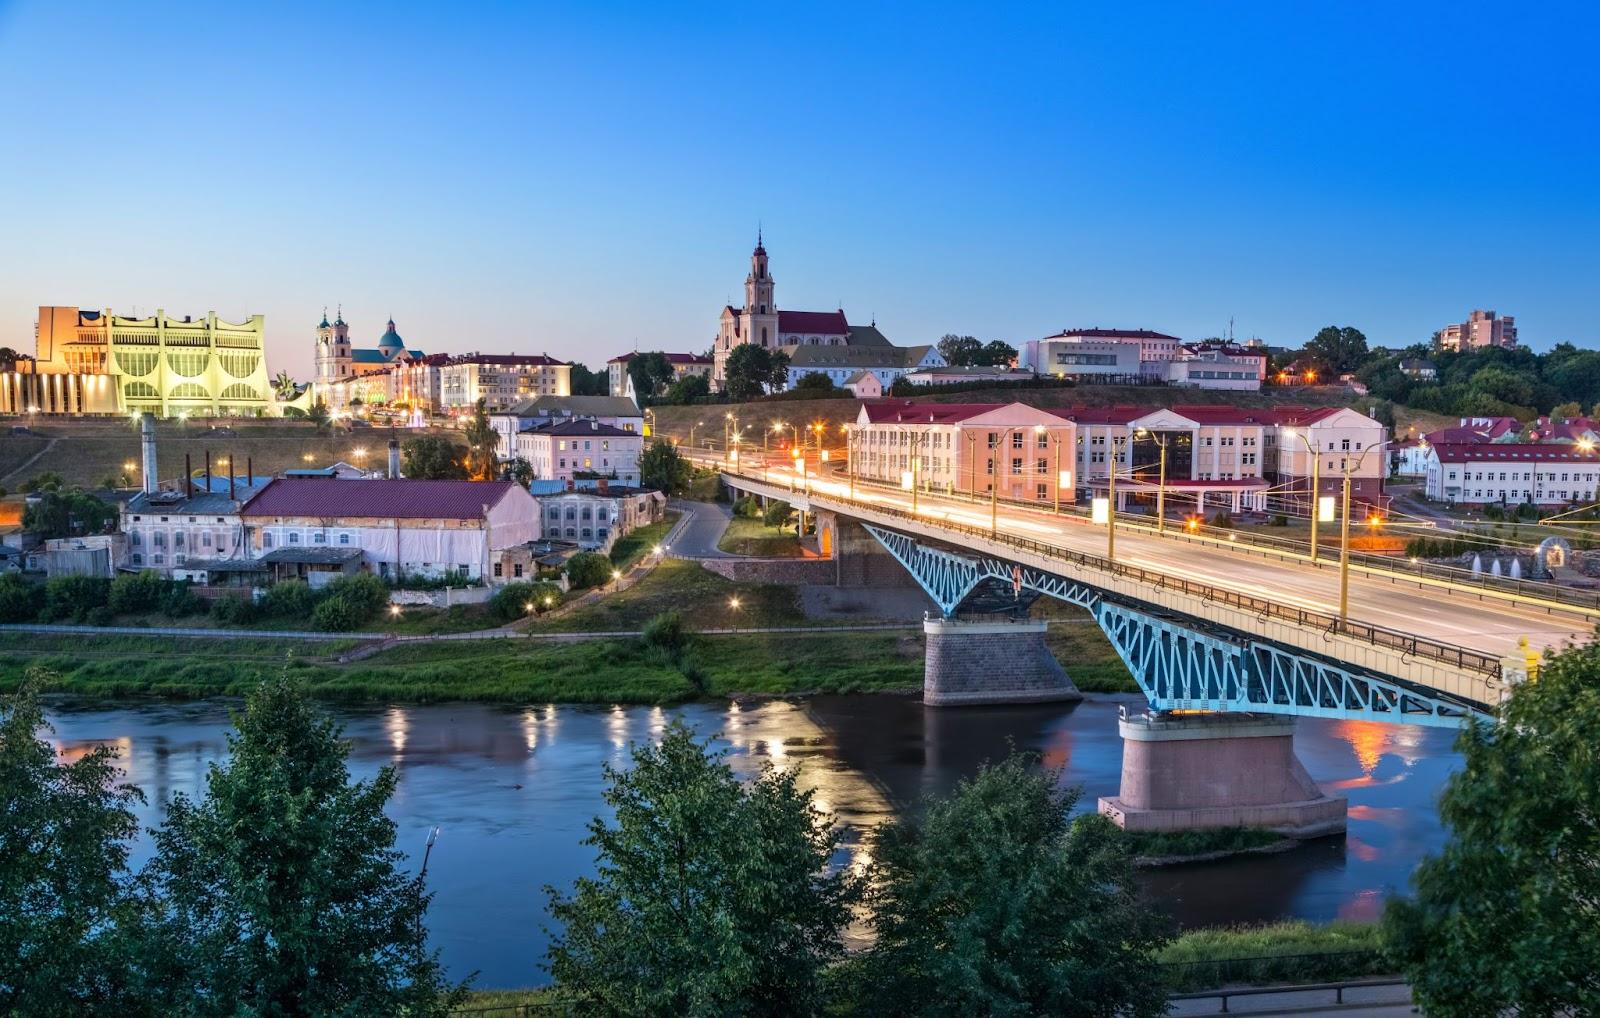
(692,427)
(850,456)
(1111,497)
(1316,483)
(1344,532)
(1161,478)
(994,484)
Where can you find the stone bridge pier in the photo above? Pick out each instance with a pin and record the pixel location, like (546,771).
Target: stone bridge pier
(988,662)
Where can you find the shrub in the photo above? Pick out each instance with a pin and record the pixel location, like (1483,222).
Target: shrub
(1221,519)
(366,593)
(73,597)
(100,616)
(337,614)
(747,506)
(133,593)
(665,632)
(511,601)
(290,599)
(588,569)
(20,600)
(235,610)
(1278,520)
(777,513)
(178,601)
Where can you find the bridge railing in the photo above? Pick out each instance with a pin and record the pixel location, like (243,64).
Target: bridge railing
(1380,636)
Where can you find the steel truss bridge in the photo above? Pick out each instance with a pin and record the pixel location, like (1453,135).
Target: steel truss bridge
(1189,645)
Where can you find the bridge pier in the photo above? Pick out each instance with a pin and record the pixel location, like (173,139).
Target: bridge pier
(1195,771)
(970,663)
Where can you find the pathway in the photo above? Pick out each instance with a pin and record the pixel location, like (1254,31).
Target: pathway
(702,528)
(30,461)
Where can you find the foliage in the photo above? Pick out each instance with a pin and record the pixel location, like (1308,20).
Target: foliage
(1503,920)
(47,481)
(708,898)
(666,632)
(649,372)
(63,864)
(584,382)
(665,469)
(337,615)
(1000,903)
(1283,952)
(367,593)
(689,389)
(481,441)
(1337,348)
(511,601)
(518,470)
(281,891)
(319,414)
(73,597)
(178,601)
(777,513)
(1221,518)
(132,593)
(747,505)
(20,600)
(67,514)
(433,458)
(815,382)
(588,569)
(960,351)
(752,370)
(288,599)
(283,385)
(236,610)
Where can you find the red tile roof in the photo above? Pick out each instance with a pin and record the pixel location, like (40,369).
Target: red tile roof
(505,358)
(1105,414)
(383,499)
(907,412)
(828,323)
(1505,452)
(1117,334)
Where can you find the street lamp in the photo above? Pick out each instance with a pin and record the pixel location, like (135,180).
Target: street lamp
(1161,481)
(692,427)
(850,454)
(1344,532)
(1111,497)
(1316,483)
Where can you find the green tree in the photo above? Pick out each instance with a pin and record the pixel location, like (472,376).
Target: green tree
(588,569)
(281,892)
(997,353)
(753,370)
(663,468)
(516,600)
(20,600)
(709,898)
(1504,919)
(68,514)
(134,593)
(1000,903)
(319,414)
(518,470)
(1338,348)
(814,382)
(433,458)
(64,892)
(959,351)
(47,481)
(481,441)
(689,389)
(650,372)
(584,382)
(1563,412)
(8,358)
(777,513)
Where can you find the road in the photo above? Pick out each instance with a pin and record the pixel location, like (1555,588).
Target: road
(701,530)
(1446,615)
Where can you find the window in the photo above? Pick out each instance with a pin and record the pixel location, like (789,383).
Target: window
(266,539)
(135,539)
(516,569)
(138,559)
(294,537)
(1016,440)
(159,539)
(1016,465)
(498,570)
(1043,491)
(205,539)
(344,538)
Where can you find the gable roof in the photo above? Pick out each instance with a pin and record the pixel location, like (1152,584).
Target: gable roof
(398,499)
(573,406)
(828,323)
(581,426)
(672,358)
(1503,452)
(1115,334)
(866,335)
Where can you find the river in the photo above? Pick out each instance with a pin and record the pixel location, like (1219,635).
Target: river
(512,789)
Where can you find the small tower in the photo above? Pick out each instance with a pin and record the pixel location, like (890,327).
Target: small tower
(760,307)
(333,350)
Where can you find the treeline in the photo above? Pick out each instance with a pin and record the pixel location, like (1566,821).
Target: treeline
(1490,382)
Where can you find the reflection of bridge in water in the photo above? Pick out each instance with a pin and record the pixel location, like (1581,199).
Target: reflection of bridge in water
(1228,645)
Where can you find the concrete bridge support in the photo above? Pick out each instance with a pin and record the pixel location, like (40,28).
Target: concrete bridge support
(1195,771)
(970,663)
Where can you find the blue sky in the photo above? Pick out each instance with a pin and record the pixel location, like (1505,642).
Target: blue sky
(578,178)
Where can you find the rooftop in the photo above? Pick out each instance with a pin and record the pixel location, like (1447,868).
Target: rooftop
(1505,452)
(1114,334)
(830,323)
(672,358)
(820,356)
(581,426)
(574,406)
(506,359)
(381,499)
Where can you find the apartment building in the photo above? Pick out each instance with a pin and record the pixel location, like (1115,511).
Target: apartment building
(966,447)
(501,380)
(1511,474)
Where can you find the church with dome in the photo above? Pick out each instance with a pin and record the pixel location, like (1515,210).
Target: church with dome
(346,374)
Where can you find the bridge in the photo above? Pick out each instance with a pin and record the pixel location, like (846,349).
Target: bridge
(1225,641)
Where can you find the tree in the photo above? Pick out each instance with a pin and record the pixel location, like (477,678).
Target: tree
(708,898)
(958,351)
(753,370)
(663,468)
(814,381)
(1338,348)
(64,892)
(777,513)
(997,353)
(518,470)
(47,481)
(319,414)
(1503,920)
(588,569)
(584,382)
(1563,412)
(482,441)
(67,514)
(281,892)
(283,384)
(433,458)
(8,359)
(689,389)
(20,600)
(999,902)
(649,372)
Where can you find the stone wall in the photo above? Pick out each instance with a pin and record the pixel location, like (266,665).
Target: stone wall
(787,571)
(971,663)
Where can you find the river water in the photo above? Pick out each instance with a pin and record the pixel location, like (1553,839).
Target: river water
(512,789)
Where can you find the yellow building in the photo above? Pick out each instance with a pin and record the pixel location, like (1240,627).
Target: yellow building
(95,362)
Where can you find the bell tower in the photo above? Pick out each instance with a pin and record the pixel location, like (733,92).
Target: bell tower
(760,308)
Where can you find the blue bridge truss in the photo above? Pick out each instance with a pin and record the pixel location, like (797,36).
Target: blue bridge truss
(1183,663)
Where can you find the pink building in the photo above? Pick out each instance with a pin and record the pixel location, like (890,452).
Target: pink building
(1481,329)
(951,447)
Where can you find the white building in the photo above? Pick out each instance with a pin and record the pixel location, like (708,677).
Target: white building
(950,374)
(1511,474)
(1211,366)
(501,380)
(1155,349)
(594,514)
(618,411)
(566,450)
(1078,356)
(684,365)
(841,364)
(317,528)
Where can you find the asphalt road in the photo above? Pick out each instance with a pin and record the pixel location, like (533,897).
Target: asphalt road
(702,531)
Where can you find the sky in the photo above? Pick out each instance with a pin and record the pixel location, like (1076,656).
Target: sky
(585,179)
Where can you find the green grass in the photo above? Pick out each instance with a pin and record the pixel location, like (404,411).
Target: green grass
(1285,952)
(17,450)
(783,663)
(1083,650)
(1187,843)
(630,548)
(507,1004)
(704,488)
(700,596)
(749,536)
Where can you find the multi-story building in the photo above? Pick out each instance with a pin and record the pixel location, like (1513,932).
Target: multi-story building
(1214,454)
(593,514)
(966,447)
(414,383)
(1342,438)
(1217,366)
(97,362)
(839,364)
(684,365)
(565,450)
(1155,349)
(617,411)
(501,380)
(1510,474)
(1481,329)
(1088,357)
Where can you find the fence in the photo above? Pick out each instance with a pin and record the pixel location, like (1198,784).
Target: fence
(1194,976)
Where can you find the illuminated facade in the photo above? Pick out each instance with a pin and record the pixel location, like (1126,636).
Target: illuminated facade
(96,362)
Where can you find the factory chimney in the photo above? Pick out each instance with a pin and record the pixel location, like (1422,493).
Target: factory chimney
(147,445)
(188,477)
(394,459)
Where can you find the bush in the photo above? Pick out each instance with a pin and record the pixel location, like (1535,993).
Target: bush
(290,599)
(747,506)
(1278,520)
(777,513)
(366,593)
(234,610)
(20,600)
(337,614)
(511,601)
(73,597)
(665,632)
(178,601)
(134,593)
(100,616)
(588,569)
(1221,519)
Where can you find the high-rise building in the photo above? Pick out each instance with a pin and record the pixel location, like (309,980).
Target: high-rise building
(1481,329)
(97,362)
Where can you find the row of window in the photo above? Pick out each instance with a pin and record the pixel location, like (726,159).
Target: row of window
(293,538)
(1526,475)
(576,513)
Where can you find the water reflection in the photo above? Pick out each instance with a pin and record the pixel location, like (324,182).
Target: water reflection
(513,790)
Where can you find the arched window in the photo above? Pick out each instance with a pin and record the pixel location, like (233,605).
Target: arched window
(763,335)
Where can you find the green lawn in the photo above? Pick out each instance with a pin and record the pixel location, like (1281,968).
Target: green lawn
(1286,952)
(704,599)
(750,536)
(630,548)
(777,663)
(1083,650)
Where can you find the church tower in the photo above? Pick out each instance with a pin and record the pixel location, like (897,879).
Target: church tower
(760,309)
(333,350)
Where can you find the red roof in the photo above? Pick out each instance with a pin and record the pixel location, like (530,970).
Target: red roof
(904,411)
(1213,414)
(385,499)
(1506,452)
(828,323)
(1105,414)
(1297,415)
(672,358)
(506,358)
(1117,334)
(1456,436)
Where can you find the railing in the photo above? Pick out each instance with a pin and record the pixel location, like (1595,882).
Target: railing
(1467,660)
(1189,977)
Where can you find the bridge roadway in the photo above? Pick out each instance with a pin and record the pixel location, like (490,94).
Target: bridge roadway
(1465,618)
